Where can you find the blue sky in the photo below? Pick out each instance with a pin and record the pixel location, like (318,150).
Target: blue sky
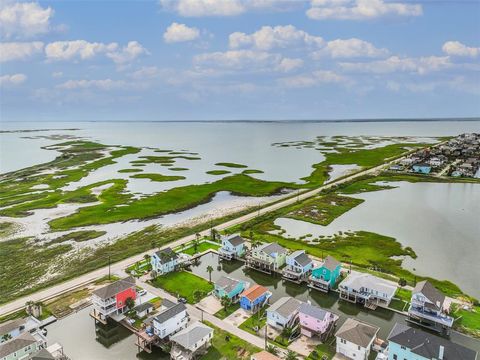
(239,59)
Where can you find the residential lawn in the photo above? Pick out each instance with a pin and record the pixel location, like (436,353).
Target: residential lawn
(183,284)
(139,268)
(158,177)
(203,246)
(222,314)
(60,306)
(234,348)
(403,294)
(321,350)
(231,165)
(257,320)
(218,172)
(281,342)
(399,305)
(323,210)
(467,321)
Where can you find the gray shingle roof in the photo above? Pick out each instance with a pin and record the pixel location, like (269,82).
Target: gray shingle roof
(430,292)
(303,259)
(313,311)
(285,306)
(11,325)
(114,288)
(236,240)
(357,332)
(226,283)
(428,345)
(271,248)
(42,355)
(16,344)
(167,303)
(143,307)
(170,312)
(166,255)
(188,337)
(331,263)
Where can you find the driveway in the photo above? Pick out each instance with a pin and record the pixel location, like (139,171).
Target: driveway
(304,345)
(237,317)
(210,304)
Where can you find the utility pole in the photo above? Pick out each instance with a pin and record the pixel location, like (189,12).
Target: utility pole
(109,266)
(266,343)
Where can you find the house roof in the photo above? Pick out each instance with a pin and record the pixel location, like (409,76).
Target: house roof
(265,355)
(188,337)
(143,307)
(236,239)
(331,263)
(357,332)
(226,283)
(16,344)
(170,312)
(43,354)
(115,288)
(427,345)
(254,292)
(301,257)
(167,303)
(430,292)
(313,311)
(270,248)
(11,325)
(285,306)
(166,255)
(357,281)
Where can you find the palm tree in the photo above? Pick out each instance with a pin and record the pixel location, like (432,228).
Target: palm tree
(226,302)
(287,332)
(215,235)
(272,349)
(291,355)
(146,257)
(209,270)
(130,303)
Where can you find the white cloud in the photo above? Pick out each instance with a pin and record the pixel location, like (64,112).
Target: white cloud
(197,8)
(420,65)
(128,53)
(274,37)
(24,19)
(238,59)
(145,73)
(84,50)
(456,48)
(180,33)
(360,9)
(57,74)
(19,50)
(287,64)
(315,78)
(15,79)
(104,84)
(350,48)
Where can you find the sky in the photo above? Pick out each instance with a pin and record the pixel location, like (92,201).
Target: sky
(238,59)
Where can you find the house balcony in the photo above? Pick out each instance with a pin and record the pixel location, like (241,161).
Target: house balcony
(420,314)
(226,254)
(319,283)
(260,264)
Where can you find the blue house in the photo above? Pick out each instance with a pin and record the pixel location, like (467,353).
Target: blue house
(422,168)
(298,266)
(406,343)
(164,261)
(325,276)
(227,286)
(233,246)
(254,298)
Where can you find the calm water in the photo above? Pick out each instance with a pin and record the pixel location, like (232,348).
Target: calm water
(441,222)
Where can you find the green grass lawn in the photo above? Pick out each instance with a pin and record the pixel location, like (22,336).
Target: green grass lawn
(257,320)
(468,321)
(323,350)
(233,349)
(183,284)
(222,314)
(203,246)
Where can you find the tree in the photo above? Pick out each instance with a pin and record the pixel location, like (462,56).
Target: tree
(287,331)
(291,355)
(215,235)
(130,303)
(226,302)
(6,337)
(197,296)
(272,349)
(402,282)
(209,270)
(146,257)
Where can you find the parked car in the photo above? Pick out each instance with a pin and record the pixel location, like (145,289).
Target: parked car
(141,292)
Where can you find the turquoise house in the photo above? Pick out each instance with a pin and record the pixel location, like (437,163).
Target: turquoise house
(422,168)
(325,276)
(227,286)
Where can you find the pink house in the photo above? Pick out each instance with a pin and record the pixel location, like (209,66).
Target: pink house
(316,321)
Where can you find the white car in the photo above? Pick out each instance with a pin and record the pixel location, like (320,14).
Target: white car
(141,292)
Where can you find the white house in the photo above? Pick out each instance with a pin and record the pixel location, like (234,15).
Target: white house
(355,339)
(233,246)
(164,261)
(368,289)
(191,342)
(298,265)
(283,313)
(170,321)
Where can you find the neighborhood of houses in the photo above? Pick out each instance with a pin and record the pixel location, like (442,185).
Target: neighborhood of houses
(172,327)
(458,157)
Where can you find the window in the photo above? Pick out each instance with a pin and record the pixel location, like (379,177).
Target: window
(395,357)
(403,347)
(358,347)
